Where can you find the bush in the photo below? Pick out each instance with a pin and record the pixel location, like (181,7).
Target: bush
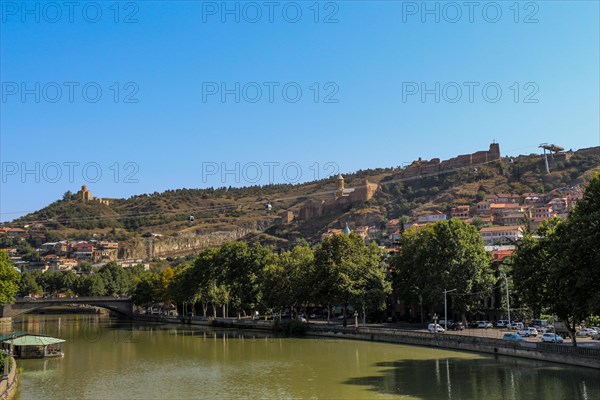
(2,363)
(592,320)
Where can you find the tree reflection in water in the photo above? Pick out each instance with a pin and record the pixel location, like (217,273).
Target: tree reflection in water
(487,378)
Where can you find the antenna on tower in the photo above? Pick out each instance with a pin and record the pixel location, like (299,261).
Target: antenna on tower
(552,149)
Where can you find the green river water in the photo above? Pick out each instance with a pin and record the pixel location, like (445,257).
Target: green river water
(111,359)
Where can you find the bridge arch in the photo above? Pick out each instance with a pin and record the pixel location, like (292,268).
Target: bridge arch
(122,306)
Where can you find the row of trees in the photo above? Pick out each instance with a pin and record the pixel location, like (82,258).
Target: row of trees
(109,280)
(341,270)
(557,271)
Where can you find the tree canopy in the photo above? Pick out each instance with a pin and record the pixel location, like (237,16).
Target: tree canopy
(9,280)
(447,255)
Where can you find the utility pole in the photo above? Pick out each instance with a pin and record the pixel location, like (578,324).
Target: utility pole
(507,297)
(446,308)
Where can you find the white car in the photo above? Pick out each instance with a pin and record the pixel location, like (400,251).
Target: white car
(527,332)
(435,328)
(586,332)
(552,338)
(516,325)
(485,324)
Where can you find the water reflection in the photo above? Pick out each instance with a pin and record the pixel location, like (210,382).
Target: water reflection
(487,378)
(111,359)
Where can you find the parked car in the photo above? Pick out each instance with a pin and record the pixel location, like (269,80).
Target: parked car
(516,325)
(539,323)
(457,326)
(586,332)
(552,338)
(544,329)
(513,337)
(596,336)
(485,325)
(435,328)
(474,324)
(527,332)
(501,323)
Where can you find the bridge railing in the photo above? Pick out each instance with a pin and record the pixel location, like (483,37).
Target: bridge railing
(74,299)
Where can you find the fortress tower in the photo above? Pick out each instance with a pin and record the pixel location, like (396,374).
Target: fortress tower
(84,194)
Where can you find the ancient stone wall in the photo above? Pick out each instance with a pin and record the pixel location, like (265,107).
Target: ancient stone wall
(183,244)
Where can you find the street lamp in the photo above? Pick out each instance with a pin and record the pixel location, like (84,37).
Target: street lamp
(507,298)
(446,308)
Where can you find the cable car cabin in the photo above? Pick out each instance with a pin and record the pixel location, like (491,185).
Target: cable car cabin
(268,207)
(191,218)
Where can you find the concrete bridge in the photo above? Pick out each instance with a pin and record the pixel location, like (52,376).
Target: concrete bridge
(121,305)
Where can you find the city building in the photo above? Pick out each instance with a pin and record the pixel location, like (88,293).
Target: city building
(461,212)
(499,235)
(430,217)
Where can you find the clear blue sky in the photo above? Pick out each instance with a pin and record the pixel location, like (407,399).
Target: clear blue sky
(172,53)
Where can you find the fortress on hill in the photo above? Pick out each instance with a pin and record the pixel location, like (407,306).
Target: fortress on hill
(85,196)
(342,197)
(338,199)
(420,167)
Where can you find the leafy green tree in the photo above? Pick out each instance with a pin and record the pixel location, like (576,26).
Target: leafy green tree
(581,239)
(207,278)
(28,285)
(376,285)
(183,288)
(531,265)
(478,223)
(289,280)
(85,266)
(116,280)
(242,268)
(145,291)
(447,255)
(342,265)
(90,285)
(9,280)
(408,266)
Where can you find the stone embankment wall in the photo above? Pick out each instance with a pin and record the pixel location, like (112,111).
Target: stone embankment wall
(8,385)
(582,357)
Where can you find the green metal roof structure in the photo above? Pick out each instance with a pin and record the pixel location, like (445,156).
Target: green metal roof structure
(16,335)
(33,340)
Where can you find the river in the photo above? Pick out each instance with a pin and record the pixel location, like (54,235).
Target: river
(110,359)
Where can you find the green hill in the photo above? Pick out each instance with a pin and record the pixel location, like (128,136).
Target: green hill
(224,209)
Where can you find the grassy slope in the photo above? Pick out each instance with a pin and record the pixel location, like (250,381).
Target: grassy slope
(222,209)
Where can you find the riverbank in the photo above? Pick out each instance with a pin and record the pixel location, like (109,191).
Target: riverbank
(577,356)
(9,383)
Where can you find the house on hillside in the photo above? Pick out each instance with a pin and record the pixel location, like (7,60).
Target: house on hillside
(483,208)
(461,212)
(499,235)
(431,217)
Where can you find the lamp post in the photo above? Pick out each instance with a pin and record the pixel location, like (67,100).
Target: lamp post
(507,298)
(446,308)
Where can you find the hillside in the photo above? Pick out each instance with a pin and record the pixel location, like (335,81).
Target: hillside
(373,197)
